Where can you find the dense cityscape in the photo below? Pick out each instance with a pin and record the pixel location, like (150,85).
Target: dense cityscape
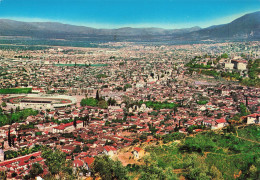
(129,90)
(82,103)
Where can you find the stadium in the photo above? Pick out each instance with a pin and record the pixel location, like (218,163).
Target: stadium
(40,102)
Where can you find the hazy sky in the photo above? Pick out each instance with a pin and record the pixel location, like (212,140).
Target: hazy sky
(134,13)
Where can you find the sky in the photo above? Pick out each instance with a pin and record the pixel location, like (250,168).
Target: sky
(170,14)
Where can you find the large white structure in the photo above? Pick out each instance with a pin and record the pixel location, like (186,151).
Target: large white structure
(41,102)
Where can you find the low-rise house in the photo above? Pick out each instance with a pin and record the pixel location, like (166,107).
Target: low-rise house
(138,152)
(77,163)
(88,161)
(253,119)
(67,127)
(220,123)
(109,150)
(183,130)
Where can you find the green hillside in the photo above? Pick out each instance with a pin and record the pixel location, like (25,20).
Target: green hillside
(208,155)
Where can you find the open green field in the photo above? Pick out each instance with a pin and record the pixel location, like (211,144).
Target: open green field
(16,91)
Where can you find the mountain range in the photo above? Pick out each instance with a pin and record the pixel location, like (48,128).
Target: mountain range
(245,27)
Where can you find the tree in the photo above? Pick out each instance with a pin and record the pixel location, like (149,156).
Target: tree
(190,129)
(152,128)
(39,133)
(9,137)
(75,123)
(109,169)
(253,69)
(27,177)
(111,102)
(243,109)
(253,172)
(36,170)
(119,171)
(197,168)
(175,110)
(127,86)
(219,115)
(55,160)
(85,148)
(102,104)
(86,120)
(215,173)
(4,104)
(225,56)
(2,175)
(97,95)
(89,102)
(77,149)
(153,172)
(176,128)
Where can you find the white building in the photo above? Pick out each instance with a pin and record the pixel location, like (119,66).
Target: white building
(2,155)
(220,123)
(109,150)
(229,65)
(253,119)
(241,66)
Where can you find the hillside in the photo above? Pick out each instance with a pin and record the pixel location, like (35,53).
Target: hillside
(227,154)
(245,27)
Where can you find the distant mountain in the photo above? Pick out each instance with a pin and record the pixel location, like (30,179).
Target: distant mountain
(40,29)
(128,31)
(245,27)
(59,30)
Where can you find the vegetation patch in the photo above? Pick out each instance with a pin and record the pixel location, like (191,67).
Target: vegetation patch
(158,105)
(208,155)
(17,116)
(16,91)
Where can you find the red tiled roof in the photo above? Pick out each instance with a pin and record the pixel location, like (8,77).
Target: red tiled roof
(22,163)
(137,149)
(63,126)
(222,120)
(198,130)
(109,148)
(77,163)
(254,115)
(89,160)
(19,159)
